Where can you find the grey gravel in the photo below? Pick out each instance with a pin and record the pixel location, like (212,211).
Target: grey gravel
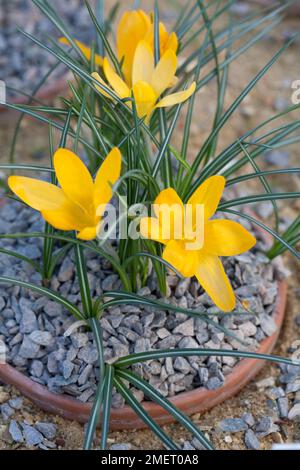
(48,430)
(267,324)
(28,349)
(188,446)
(251,440)
(6,411)
(28,319)
(283,407)
(264,424)
(214,383)
(43,338)
(294,413)
(15,432)
(249,419)
(16,403)
(233,425)
(34,326)
(120,447)
(32,436)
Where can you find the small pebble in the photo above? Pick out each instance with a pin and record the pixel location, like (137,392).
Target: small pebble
(48,430)
(251,440)
(15,432)
(120,447)
(294,413)
(32,436)
(233,425)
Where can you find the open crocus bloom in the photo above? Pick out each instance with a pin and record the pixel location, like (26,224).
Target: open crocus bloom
(149,82)
(80,202)
(221,238)
(133,27)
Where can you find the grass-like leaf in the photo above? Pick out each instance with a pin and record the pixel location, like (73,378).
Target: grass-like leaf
(137,407)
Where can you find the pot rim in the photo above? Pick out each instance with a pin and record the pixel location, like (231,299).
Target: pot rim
(195,401)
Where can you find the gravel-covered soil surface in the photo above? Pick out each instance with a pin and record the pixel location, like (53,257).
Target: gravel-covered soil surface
(259,397)
(43,342)
(23,64)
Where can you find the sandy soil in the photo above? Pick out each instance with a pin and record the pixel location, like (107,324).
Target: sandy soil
(260,105)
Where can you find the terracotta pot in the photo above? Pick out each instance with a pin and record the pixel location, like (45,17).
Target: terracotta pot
(195,401)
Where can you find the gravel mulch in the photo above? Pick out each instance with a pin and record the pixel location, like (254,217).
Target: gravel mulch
(23,63)
(43,342)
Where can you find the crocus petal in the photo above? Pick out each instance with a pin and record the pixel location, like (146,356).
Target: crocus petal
(74,178)
(212,277)
(143,63)
(107,176)
(164,72)
(115,81)
(176,98)
(68,216)
(172,42)
(87,234)
(150,228)
(132,28)
(99,79)
(209,195)
(184,261)
(87,51)
(37,194)
(145,99)
(227,238)
(168,196)
(169,209)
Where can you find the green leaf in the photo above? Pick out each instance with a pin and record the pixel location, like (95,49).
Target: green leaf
(107,398)
(155,396)
(133,359)
(139,410)
(95,414)
(81,272)
(47,292)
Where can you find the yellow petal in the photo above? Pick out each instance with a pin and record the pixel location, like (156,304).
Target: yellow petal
(107,176)
(87,51)
(97,77)
(169,209)
(74,178)
(150,228)
(176,98)
(145,99)
(87,234)
(115,81)
(212,277)
(133,27)
(143,63)
(183,260)
(37,194)
(227,238)
(68,216)
(164,72)
(209,194)
(172,43)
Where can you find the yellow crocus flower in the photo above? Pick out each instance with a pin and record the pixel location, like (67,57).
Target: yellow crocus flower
(149,82)
(80,202)
(221,238)
(133,27)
